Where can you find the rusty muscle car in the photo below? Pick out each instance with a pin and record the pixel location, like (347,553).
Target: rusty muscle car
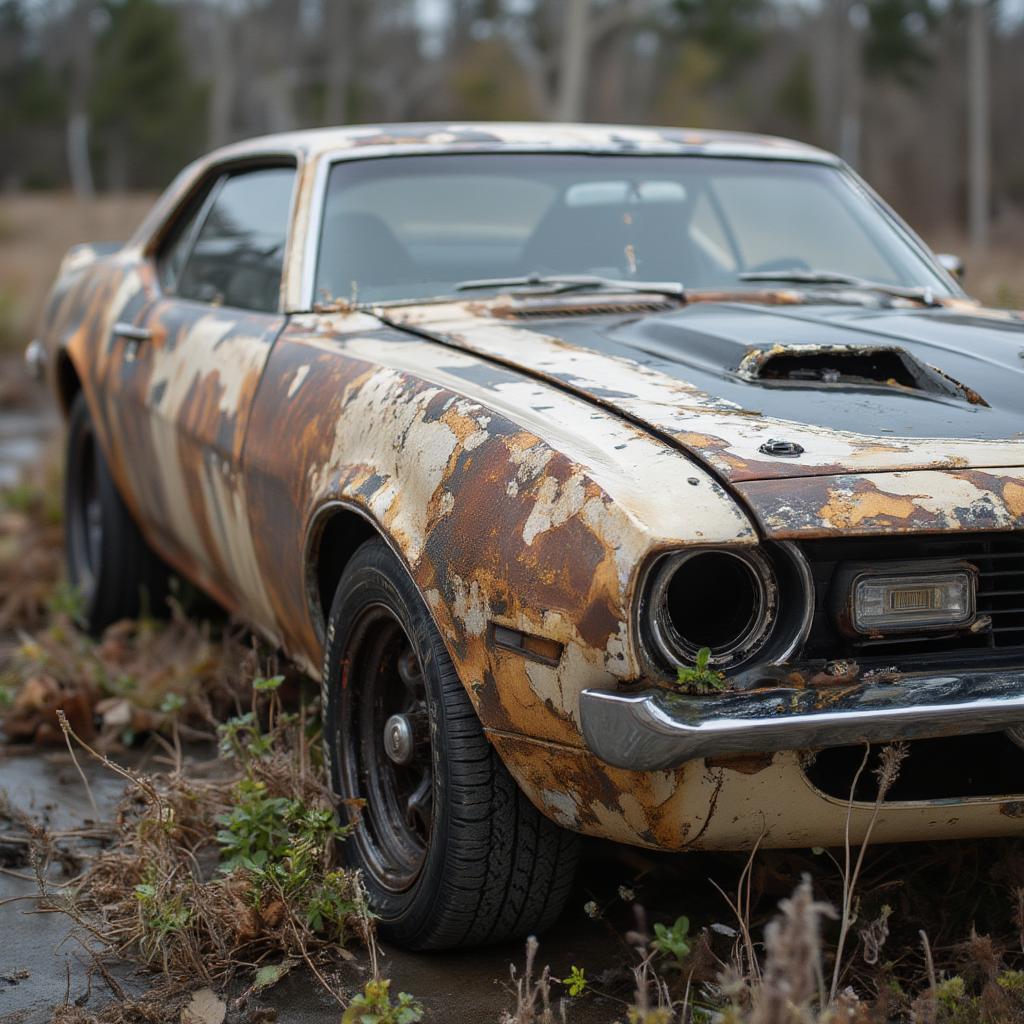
(640,483)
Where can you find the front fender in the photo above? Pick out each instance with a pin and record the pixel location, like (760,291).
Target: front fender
(513,505)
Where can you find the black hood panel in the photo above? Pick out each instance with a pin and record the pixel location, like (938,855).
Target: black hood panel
(706,345)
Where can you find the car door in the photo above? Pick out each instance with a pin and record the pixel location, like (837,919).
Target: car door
(195,362)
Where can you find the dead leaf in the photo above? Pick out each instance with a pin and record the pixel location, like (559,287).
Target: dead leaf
(273,915)
(270,975)
(115,711)
(205,1007)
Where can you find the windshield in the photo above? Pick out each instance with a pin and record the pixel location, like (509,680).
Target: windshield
(417,226)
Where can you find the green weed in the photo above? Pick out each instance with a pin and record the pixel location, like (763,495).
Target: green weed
(700,679)
(576,983)
(673,940)
(374,1006)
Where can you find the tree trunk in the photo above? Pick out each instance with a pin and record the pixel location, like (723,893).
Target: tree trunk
(77,136)
(978,129)
(572,81)
(222,86)
(339,27)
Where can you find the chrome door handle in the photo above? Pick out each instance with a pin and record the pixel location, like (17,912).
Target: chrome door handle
(131,332)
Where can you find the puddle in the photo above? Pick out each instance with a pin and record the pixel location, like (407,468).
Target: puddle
(23,436)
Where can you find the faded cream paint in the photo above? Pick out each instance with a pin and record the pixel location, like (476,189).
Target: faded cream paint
(620,459)
(206,350)
(300,376)
(725,435)
(225,496)
(702,808)
(385,429)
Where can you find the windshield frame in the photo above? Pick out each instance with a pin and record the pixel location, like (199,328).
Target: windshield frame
(329,160)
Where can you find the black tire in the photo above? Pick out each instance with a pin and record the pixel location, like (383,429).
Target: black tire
(482,865)
(115,571)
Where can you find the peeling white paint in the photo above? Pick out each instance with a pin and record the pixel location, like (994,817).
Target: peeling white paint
(300,376)
(556,504)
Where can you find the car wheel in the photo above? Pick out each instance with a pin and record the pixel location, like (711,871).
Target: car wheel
(451,852)
(116,573)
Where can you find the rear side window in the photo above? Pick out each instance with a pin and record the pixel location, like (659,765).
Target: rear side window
(175,250)
(233,252)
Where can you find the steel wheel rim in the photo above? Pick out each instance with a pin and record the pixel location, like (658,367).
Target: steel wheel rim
(381,678)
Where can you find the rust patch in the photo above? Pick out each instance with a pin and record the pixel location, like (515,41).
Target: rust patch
(1013,495)
(846,510)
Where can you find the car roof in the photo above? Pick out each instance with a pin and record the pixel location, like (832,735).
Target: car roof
(453,137)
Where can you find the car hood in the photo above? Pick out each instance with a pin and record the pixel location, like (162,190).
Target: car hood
(771,391)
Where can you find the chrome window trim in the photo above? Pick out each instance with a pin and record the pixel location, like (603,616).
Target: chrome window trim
(314,225)
(190,237)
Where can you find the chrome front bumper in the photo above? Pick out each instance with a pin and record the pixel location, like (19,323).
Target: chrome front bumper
(657,729)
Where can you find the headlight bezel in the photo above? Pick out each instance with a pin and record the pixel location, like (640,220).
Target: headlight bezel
(776,632)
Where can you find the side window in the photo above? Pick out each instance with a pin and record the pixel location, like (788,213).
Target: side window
(237,255)
(174,249)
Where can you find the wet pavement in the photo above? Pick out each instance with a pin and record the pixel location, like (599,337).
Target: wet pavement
(23,435)
(28,420)
(42,962)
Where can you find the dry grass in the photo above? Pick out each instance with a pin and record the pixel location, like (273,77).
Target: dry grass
(31,548)
(915,934)
(223,876)
(141,677)
(237,872)
(179,677)
(36,229)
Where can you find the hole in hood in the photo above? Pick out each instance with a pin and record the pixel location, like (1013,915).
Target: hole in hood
(851,365)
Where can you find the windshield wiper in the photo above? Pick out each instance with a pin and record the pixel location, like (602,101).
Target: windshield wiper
(798,276)
(556,284)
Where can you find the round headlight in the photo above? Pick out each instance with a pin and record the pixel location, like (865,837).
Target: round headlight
(723,600)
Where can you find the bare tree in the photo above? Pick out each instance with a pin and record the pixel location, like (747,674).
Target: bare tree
(575,55)
(81,25)
(339,23)
(221,20)
(978,128)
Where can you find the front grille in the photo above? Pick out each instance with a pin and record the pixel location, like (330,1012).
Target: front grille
(999,558)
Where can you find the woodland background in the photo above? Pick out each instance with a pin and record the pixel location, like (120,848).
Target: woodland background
(115,95)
